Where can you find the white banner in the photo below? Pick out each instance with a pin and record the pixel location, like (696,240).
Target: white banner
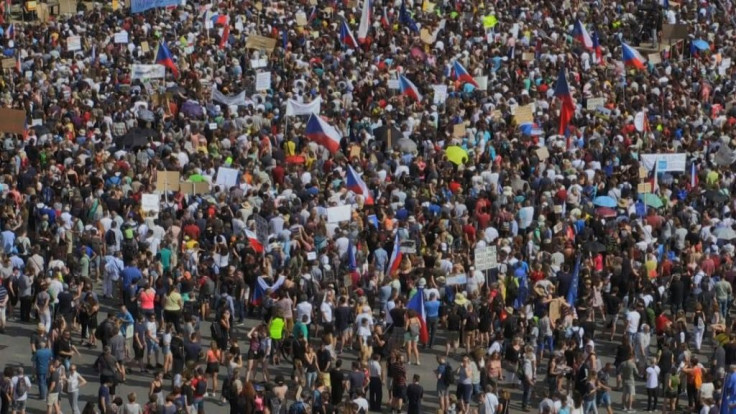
(263,81)
(665,162)
(147,72)
(294,108)
(230,100)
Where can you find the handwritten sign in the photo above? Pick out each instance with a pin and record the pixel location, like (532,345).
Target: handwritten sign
(8,63)
(139,6)
(151,204)
(263,81)
(644,188)
(524,114)
(147,72)
(260,43)
(486,258)
(654,58)
(121,37)
(594,103)
(73,43)
(144,47)
(440,94)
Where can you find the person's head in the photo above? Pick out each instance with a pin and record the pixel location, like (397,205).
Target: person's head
(416,378)
(131,397)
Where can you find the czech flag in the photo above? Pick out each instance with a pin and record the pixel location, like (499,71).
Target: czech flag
(562,91)
(597,49)
(408,88)
(253,241)
(632,57)
(164,57)
(385,21)
(461,74)
(416,303)
(396,256)
(531,129)
(220,19)
(259,292)
(580,34)
(323,133)
(365,21)
(346,36)
(10,33)
(357,185)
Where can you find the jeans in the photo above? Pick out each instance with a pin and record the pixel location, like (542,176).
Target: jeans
(375,394)
(239,310)
(723,306)
(432,327)
(43,388)
(651,399)
(589,407)
(311,378)
(45,319)
(526,394)
(547,342)
(74,401)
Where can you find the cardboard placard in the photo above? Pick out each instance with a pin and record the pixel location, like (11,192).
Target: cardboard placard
(557,228)
(355,151)
(194,188)
(426,36)
(527,56)
(301,19)
(8,63)
(524,114)
(167,181)
(260,43)
(644,188)
(144,47)
(42,11)
(542,153)
(674,32)
(12,120)
(458,130)
(643,172)
(339,213)
(654,58)
(73,43)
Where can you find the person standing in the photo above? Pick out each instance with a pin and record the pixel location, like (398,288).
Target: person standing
(21,384)
(54,388)
(42,360)
(529,376)
(432,309)
(652,376)
(74,382)
(628,376)
(489,401)
(414,395)
(375,384)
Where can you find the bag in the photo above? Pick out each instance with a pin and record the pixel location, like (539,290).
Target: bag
(227,389)
(21,388)
(177,348)
(110,238)
(99,333)
(297,408)
(276,405)
(216,331)
(414,328)
(201,387)
(448,375)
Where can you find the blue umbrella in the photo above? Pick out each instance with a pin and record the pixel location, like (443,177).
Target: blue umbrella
(700,44)
(605,201)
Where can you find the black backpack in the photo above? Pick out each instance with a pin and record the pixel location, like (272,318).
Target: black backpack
(216,330)
(201,388)
(448,375)
(110,238)
(177,347)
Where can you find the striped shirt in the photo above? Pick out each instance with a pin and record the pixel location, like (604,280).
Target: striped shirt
(3,295)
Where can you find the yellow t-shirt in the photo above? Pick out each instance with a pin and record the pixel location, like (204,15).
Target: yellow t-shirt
(171,302)
(276,328)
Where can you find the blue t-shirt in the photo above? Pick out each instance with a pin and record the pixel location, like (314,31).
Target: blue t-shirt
(43,359)
(432,307)
(103,394)
(130,275)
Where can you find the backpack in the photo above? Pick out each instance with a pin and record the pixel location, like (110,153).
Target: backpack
(177,347)
(297,408)
(277,407)
(21,388)
(100,332)
(448,375)
(216,331)
(110,239)
(201,387)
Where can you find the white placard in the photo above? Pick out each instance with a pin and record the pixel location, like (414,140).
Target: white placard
(227,177)
(121,37)
(150,204)
(594,103)
(457,280)
(73,43)
(212,126)
(339,213)
(37,121)
(665,162)
(147,72)
(263,81)
(393,84)
(311,255)
(485,258)
(482,82)
(440,94)
(258,63)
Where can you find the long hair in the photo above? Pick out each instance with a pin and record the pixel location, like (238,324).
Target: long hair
(248,390)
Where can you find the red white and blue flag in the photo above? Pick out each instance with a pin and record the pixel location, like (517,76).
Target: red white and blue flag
(562,92)
(408,88)
(598,57)
(346,36)
(323,133)
(358,186)
(416,303)
(460,73)
(253,241)
(365,21)
(581,35)
(165,58)
(632,57)
(10,33)
(259,292)
(385,19)
(396,256)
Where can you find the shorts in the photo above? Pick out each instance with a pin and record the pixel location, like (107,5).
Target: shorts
(628,388)
(604,400)
(138,352)
(453,336)
(52,398)
(212,368)
(398,391)
(465,392)
(18,405)
(408,337)
(166,349)
(151,345)
(346,332)
(252,355)
(442,390)
(328,328)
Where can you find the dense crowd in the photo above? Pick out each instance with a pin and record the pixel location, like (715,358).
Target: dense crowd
(311,200)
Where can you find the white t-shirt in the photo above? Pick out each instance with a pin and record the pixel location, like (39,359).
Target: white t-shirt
(633,317)
(652,377)
(361,403)
(304,309)
(14,382)
(490,404)
(326,310)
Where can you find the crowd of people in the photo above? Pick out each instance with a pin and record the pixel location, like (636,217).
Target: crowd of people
(312,200)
